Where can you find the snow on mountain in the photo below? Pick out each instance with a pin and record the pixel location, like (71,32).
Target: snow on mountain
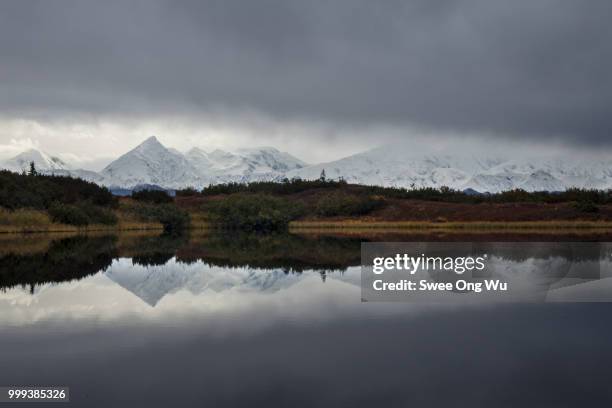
(266,163)
(151,163)
(399,166)
(265,159)
(217,163)
(86,175)
(42,162)
(390,166)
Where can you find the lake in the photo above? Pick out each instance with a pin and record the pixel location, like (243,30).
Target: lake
(233,320)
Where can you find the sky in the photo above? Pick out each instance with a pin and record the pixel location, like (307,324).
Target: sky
(88,80)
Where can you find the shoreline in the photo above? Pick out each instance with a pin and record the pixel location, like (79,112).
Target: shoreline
(488,226)
(62,228)
(353,225)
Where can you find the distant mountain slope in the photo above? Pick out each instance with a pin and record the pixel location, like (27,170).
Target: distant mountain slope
(42,162)
(266,163)
(151,163)
(396,165)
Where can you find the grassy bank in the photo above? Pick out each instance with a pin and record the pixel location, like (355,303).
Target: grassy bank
(35,203)
(27,220)
(454,225)
(300,204)
(129,219)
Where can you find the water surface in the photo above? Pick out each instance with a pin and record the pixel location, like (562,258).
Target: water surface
(239,320)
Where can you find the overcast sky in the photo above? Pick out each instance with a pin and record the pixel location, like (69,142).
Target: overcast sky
(320,79)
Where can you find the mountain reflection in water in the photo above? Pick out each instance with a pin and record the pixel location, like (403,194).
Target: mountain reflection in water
(276,320)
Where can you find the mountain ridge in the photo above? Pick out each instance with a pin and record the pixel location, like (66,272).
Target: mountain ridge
(152,163)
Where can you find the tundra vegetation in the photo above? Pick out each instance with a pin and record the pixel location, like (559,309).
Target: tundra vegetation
(273,205)
(35,202)
(38,202)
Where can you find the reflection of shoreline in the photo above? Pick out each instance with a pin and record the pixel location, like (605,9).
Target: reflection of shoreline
(460,235)
(64,259)
(61,258)
(36,259)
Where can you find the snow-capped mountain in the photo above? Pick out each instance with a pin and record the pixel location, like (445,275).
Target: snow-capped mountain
(150,163)
(266,163)
(396,165)
(42,161)
(153,163)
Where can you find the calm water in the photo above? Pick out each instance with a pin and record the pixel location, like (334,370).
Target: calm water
(234,320)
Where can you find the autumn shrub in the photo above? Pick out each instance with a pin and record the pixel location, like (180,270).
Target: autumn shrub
(341,204)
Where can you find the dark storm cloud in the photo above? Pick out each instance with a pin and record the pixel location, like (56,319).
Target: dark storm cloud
(522,67)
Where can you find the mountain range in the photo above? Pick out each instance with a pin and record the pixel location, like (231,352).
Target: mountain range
(152,163)
(154,282)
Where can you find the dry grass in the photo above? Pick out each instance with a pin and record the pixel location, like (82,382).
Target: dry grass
(24,220)
(452,225)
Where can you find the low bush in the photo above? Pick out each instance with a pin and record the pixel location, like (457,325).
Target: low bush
(98,215)
(585,206)
(187,192)
(341,204)
(81,214)
(152,196)
(68,214)
(170,216)
(254,212)
(23,218)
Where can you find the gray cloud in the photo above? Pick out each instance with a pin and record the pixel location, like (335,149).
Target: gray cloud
(522,68)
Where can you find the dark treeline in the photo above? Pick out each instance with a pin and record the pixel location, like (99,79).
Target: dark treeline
(77,202)
(446,194)
(152,196)
(68,200)
(41,191)
(283,187)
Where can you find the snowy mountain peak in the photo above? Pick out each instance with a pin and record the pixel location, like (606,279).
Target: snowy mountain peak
(150,163)
(42,162)
(150,144)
